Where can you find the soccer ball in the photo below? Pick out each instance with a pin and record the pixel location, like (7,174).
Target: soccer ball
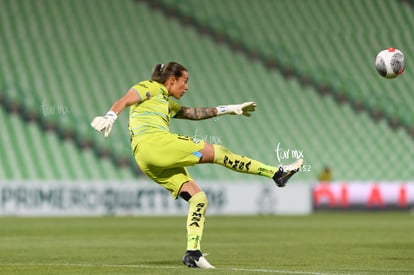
(390,63)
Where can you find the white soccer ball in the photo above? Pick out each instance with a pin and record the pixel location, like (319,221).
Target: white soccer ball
(390,63)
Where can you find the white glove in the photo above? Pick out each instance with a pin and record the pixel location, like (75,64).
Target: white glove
(104,123)
(237,109)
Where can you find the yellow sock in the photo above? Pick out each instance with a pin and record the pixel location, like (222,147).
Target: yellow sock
(195,220)
(242,164)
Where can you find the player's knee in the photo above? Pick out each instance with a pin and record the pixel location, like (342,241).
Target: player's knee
(207,153)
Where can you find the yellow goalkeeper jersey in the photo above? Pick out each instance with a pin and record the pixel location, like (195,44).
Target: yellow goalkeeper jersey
(152,114)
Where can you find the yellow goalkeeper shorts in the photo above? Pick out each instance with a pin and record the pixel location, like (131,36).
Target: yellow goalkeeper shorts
(164,157)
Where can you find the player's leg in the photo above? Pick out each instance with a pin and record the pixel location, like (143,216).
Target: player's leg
(178,182)
(213,153)
(164,160)
(198,203)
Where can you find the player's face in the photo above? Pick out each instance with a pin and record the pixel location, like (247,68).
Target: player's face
(179,86)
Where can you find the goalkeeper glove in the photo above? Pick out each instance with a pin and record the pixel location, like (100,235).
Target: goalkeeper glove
(104,123)
(237,109)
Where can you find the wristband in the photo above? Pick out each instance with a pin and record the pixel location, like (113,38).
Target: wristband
(221,110)
(112,115)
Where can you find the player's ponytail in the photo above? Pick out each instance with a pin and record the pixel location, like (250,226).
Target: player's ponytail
(161,72)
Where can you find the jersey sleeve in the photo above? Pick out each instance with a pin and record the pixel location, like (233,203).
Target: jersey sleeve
(143,90)
(174,108)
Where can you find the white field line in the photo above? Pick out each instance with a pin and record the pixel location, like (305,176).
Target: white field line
(250,270)
(283,271)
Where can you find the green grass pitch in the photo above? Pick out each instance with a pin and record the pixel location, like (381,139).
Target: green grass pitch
(330,243)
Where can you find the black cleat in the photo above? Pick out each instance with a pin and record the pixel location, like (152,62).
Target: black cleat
(286,171)
(194,258)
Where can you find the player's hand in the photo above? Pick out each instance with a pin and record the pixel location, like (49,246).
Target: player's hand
(104,123)
(237,109)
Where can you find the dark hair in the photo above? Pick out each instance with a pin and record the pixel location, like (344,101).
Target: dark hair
(162,72)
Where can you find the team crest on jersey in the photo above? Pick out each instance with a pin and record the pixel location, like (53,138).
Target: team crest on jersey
(148,95)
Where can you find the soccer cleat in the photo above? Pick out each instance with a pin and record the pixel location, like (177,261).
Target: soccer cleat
(286,171)
(194,258)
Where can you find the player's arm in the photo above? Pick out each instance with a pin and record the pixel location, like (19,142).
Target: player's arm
(131,97)
(104,123)
(199,113)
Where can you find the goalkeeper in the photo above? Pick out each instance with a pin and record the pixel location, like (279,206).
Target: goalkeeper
(163,156)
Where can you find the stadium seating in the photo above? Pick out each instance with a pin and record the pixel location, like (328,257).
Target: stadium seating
(68,61)
(330,41)
(28,152)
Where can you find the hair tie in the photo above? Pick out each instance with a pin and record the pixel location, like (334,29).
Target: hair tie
(162,67)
